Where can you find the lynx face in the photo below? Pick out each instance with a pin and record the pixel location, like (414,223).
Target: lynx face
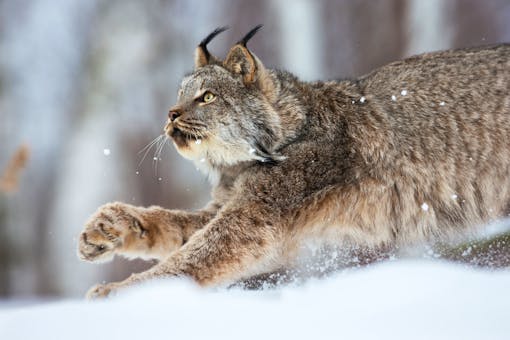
(217,119)
(222,117)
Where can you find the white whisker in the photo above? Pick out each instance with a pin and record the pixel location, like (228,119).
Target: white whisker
(157,154)
(148,147)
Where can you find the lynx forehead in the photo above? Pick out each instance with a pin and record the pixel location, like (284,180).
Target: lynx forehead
(210,76)
(416,151)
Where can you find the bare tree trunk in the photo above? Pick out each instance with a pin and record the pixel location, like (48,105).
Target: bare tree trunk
(429,25)
(41,56)
(5,259)
(302,44)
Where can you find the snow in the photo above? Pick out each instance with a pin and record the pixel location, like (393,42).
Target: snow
(403,92)
(106,152)
(407,299)
(454,197)
(198,141)
(425,207)
(467,251)
(362,99)
(442,103)
(393,97)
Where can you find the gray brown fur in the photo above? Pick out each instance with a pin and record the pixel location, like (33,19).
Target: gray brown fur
(340,162)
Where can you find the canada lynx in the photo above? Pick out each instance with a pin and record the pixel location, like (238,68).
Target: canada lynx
(418,150)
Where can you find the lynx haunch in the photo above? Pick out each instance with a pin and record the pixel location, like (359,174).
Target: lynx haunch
(416,151)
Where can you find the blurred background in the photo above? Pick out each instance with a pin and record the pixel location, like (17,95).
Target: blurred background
(85,85)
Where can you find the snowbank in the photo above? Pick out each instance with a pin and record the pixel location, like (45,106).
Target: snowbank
(393,300)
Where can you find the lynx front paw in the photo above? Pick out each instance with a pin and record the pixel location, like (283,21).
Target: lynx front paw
(114,228)
(101,291)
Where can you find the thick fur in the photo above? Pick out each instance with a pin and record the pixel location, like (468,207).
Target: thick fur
(416,151)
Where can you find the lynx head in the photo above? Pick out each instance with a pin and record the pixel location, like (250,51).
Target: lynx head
(224,112)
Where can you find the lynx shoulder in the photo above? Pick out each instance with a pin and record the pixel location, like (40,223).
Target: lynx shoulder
(415,151)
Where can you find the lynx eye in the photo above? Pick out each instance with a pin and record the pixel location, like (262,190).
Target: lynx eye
(208,97)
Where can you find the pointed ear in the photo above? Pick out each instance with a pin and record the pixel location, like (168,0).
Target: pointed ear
(202,55)
(241,61)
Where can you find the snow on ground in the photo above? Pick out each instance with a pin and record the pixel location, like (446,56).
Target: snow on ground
(412,299)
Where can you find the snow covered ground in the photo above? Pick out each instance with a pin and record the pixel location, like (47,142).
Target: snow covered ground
(405,299)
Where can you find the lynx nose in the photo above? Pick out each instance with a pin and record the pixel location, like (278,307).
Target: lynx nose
(173,115)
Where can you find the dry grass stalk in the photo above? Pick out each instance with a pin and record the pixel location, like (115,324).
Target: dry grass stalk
(9,181)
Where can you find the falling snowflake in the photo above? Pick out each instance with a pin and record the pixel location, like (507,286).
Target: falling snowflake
(454,197)
(425,207)
(442,103)
(106,152)
(362,99)
(403,92)
(393,97)
(198,141)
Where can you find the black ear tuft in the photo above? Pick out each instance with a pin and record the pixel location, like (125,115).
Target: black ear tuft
(203,43)
(249,35)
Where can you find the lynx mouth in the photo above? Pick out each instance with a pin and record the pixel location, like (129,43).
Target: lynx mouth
(182,138)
